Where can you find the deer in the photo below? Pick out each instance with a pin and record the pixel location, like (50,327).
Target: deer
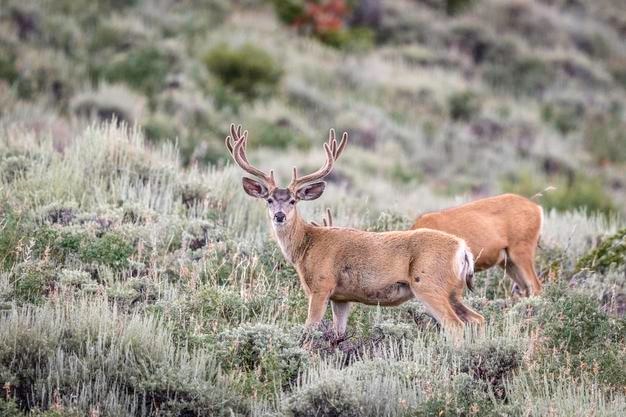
(502,230)
(344,265)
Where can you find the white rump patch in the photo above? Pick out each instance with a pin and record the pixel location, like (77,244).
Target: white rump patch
(464,261)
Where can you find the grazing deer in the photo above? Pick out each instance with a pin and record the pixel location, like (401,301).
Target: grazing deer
(346,265)
(502,230)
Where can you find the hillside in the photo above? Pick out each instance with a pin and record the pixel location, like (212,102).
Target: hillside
(137,278)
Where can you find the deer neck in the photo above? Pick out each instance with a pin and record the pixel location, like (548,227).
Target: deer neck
(292,238)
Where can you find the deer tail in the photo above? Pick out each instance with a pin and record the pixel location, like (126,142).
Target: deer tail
(465,264)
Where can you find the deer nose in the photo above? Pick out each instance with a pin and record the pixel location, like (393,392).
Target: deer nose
(279,217)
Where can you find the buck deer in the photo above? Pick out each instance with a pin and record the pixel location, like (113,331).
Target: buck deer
(502,230)
(346,265)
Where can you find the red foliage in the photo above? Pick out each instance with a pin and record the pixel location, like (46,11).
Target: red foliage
(323,15)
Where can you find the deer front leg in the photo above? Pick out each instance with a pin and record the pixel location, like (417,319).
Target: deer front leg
(317,307)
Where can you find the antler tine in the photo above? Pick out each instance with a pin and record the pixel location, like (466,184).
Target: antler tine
(233,138)
(342,145)
(228,141)
(332,153)
(326,221)
(337,148)
(236,144)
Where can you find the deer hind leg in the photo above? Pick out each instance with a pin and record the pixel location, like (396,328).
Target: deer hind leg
(439,306)
(341,312)
(521,269)
(524,258)
(464,312)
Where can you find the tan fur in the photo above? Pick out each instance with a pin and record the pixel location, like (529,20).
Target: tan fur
(347,265)
(502,230)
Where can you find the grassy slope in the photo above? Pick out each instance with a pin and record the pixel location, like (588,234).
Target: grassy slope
(132,284)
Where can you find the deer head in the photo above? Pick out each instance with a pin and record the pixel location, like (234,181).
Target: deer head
(281,202)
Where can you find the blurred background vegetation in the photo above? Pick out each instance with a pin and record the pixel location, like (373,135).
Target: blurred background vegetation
(466,96)
(136,278)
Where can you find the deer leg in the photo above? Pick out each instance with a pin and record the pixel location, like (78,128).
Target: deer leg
(317,307)
(464,312)
(439,306)
(523,260)
(341,312)
(519,287)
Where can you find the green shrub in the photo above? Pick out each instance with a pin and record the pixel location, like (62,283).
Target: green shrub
(580,339)
(520,75)
(492,363)
(223,304)
(390,330)
(464,397)
(111,250)
(14,167)
(75,278)
(193,193)
(573,322)
(579,192)
(8,70)
(10,234)
(262,348)
(108,103)
(8,408)
(405,173)
(87,353)
(493,309)
(327,397)
(609,253)
(197,234)
(246,70)
(59,213)
(144,69)
(114,36)
(565,118)
(336,38)
(158,130)
(454,7)
(288,10)
(32,281)
(605,138)
(44,72)
(606,363)
(463,106)
(80,7)
(478,42)
(279,136)
(368,388)
(350,39)
(57,243)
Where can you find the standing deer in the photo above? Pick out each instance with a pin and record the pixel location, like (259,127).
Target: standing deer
(346,265)
(502,230)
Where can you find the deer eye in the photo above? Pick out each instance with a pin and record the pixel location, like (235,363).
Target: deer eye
(292,201)
(270,201)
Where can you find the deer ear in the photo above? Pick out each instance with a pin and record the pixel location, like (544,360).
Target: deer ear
(254,188)
(311,191)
